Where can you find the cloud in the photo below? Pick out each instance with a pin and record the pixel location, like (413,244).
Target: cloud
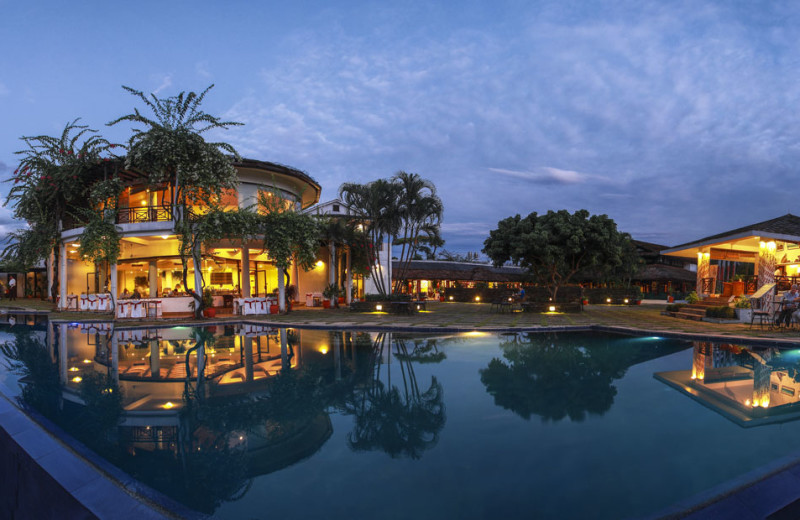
(166,82)
(201,68)
(4,90)
(548,175)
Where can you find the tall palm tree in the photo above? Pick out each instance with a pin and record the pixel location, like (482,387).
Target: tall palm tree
(420,211)
(375,205)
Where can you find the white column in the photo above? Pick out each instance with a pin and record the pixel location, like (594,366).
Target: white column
(349,283)
(245,281)
(113,286)
(152,278)
(62,276)
(49,264)
(703,271)
(281,291)
(247,346)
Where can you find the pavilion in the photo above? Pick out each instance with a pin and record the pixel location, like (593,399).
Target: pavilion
(772,247)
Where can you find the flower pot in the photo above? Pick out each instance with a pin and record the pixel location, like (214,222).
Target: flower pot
(341,300)
(326,304)
(274,309)
(744,315)
(210,312)
(670,299)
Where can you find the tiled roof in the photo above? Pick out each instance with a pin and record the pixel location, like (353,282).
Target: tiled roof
(786,225)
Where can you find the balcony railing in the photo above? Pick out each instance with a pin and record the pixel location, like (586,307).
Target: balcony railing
(144,214)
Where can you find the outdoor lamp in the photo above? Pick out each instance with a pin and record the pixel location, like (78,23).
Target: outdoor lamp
(379,308)
(552,308)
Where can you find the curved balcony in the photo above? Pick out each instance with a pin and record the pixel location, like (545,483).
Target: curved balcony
(136,215)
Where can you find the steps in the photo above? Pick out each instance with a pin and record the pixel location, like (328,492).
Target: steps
(697,311)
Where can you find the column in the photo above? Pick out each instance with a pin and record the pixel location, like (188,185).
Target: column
(281,291)
(703,271)
(49,264)
(62,353)
(389,264)
(348,290)
(245,281)
(766,269)
(62,276)
(152,278)
(114,286)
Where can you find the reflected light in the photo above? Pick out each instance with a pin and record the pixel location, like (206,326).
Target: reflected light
(77,379)
(74,369)
(168,405)
(87,361)
(476,334)
(323,349)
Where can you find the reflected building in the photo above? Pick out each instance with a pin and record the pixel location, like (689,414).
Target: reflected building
(749,385)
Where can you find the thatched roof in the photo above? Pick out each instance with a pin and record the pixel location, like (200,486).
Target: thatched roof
(443,270)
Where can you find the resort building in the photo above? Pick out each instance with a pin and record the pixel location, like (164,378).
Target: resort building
(150,264)
(743,260)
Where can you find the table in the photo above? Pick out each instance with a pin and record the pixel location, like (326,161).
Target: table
(152,308)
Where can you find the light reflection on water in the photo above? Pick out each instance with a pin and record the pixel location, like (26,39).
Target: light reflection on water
(245,421)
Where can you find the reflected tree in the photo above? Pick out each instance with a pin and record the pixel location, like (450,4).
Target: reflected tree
(398,419)
(562,377)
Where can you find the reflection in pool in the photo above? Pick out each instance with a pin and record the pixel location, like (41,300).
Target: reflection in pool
(750,385)
(244,421)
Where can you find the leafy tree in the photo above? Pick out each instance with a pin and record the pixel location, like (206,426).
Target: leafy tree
(557,245)
(48,188)
(171,149)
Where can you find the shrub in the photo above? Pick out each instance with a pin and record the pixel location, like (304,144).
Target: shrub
(675,307)
(742,303)
(692,297)
(721,312)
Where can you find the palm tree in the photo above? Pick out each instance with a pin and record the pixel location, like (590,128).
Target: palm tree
(171,149)
(419,209)
(375,205)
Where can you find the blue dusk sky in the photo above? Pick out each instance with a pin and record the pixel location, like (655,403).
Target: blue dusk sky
(676,119)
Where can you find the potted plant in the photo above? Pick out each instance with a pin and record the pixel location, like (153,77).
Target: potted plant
(743,309)
(208,304)
(331,294)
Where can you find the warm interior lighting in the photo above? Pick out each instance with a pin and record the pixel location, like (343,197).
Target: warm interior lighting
(165,237)
(320,264)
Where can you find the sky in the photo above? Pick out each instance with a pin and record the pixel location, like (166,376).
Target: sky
(677,119)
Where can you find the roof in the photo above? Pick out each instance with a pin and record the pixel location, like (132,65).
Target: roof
(445,270)
(667,273)
(786,227)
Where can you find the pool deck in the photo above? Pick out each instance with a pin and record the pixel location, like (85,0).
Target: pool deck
(772,491)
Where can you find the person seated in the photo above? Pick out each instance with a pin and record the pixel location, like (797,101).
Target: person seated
(789,304)
(135,295)
(167,292)
(178,290)
(125,294)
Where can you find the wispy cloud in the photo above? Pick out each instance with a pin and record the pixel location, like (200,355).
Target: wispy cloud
(166,82)
(549,175)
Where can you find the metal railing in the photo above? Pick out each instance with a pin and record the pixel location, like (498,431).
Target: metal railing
(144,214)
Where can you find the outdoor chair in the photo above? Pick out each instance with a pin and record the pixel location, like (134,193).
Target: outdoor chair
(762,306)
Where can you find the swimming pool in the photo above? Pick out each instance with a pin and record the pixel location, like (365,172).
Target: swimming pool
(294,423)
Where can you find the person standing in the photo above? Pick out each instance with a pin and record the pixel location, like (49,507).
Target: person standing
(12,288)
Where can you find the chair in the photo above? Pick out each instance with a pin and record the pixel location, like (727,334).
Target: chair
(762,306)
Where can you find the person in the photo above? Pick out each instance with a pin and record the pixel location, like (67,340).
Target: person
(788,305)
(135,295)
(178,289)
(12,288)
(167,292)
(125,294)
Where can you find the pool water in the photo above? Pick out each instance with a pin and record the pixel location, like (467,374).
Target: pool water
(331,424)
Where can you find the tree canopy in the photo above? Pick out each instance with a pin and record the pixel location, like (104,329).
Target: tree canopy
(556,246)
